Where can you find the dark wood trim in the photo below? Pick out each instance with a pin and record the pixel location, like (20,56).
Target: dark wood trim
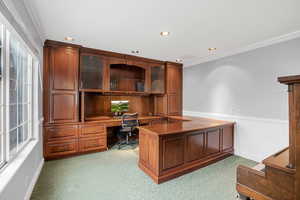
(289,79)
(52,43)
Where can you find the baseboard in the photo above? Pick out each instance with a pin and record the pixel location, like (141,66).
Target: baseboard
(255,138)
(34,180)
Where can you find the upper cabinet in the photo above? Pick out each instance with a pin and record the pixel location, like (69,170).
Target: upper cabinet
(174,88)
(61,83)
(174,78)
(63,70)
(158,79)
(92,69)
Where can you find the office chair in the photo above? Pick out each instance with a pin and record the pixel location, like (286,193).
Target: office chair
(129,124)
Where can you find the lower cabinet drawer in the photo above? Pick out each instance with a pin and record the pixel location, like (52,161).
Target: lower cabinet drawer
(92,144)
(92,130)
(61,148)
(61,132)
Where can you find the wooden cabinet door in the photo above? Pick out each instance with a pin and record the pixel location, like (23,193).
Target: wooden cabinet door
(63,107)
(157,79)
(173,152)
(63,84)
(213,141)
(160,105)
(174,79)
(92,69)
(174,89)
(227,135)
(195,146)
(64,68)
(174,104)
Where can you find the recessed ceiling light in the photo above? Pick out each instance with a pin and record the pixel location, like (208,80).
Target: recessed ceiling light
(164,33)
(212,49)
(135,51)
(69,38)
(179,60)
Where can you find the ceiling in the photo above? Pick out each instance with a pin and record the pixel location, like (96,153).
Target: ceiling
(194,25)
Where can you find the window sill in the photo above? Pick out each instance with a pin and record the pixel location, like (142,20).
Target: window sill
(11,168)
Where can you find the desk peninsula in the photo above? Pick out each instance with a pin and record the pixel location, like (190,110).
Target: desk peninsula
(174,146)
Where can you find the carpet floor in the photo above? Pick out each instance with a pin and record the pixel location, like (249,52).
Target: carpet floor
(114,175)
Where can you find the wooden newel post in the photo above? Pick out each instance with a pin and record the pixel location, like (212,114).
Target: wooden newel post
(293,83)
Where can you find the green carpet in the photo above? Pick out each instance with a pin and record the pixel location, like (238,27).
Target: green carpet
(114,175)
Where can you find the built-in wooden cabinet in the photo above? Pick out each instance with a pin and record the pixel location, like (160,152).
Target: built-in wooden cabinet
(80,83)
(61,84)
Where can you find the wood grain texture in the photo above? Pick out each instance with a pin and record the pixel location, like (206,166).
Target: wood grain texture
(195,146)
(183,150)
(70,111)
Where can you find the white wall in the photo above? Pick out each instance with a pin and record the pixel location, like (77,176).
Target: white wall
(18,178)
(244,88)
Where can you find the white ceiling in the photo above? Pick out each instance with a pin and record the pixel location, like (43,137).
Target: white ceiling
(195,25)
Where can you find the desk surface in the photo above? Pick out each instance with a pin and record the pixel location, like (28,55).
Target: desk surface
(117,119)
(177,124)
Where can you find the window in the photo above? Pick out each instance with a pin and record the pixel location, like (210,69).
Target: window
(20,87)
(16,94)
(2,147)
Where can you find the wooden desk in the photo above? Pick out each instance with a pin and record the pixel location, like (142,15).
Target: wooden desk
(81,137)
(175,146)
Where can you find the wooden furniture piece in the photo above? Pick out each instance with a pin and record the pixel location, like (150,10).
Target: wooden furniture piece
(174,146)
(278,178)
(170,103)
(79,85)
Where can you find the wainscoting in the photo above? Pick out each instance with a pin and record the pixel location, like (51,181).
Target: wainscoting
(255,138)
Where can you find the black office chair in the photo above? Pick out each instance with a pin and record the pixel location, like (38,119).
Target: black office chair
(129,124)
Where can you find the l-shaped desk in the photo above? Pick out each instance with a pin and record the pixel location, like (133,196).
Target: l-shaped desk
(168,146)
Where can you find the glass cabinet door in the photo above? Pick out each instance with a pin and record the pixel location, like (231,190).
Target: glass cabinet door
(158,79)
(91,72)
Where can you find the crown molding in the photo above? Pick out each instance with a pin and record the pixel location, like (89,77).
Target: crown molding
(35,20)
(11,18)
(265,43)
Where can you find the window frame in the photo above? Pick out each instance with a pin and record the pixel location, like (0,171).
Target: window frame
(32,62)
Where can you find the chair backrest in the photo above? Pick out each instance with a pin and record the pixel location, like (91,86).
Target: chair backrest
(130,120)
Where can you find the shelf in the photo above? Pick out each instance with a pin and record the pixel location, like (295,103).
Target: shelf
(92,90)
(129,92)
(121,92)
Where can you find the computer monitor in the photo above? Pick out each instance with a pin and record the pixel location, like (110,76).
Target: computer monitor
(119,106)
